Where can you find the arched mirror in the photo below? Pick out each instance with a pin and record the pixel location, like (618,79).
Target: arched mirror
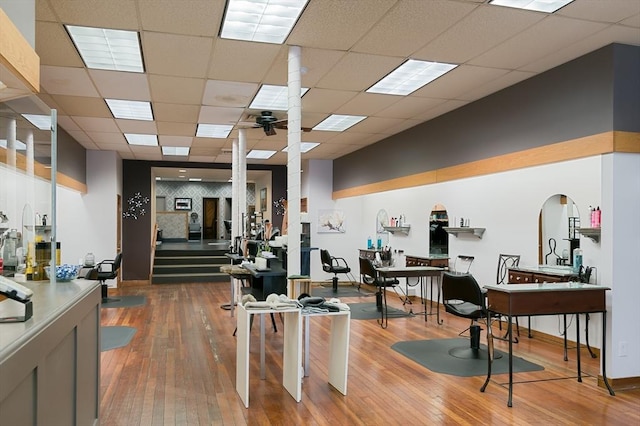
(438,237)
(558,230)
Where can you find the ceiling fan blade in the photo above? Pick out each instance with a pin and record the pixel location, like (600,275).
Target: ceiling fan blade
(284,125)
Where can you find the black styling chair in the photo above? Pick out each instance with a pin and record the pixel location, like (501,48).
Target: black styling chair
(335,266)
(463,297)
(371,276)
(106,270)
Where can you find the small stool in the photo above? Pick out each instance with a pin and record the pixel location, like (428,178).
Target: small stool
(298,284)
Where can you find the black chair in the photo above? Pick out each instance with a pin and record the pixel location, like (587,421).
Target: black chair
(463,297)
(335,266)
(103,271)
(371,276)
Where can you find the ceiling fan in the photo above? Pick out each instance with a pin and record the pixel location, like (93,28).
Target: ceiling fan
(269,123)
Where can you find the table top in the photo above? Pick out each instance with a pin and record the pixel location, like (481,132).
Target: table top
(560,271)
(544,287)
(409,271)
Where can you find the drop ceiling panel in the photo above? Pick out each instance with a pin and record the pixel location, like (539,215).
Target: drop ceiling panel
(179,17)
(119,14)
(219,115)
(229,93)
(176,90)
(457,82)
(408,107)
(421,21)
(176,55)
(234,60)
(137,126)
(67,123)
(443,108)
(352,137)
(77,105)
(502,82)
(358,71)
(176,113)
(44,11)
(101,138)
(177,129)
(108,146)
(54,46)
(94,124)
(367,104)
(334,19)
(326,100)
(479,31)
(142,149)
(67,81)
(601,11)
(316,63)
(175,140)
(376,124)
(121,85)
(536,42)
(619,33)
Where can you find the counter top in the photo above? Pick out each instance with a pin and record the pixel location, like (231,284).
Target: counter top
(49,302)
(561,271)
(525,288)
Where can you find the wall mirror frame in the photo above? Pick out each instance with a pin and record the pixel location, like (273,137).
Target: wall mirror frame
(558,235)
(438,237)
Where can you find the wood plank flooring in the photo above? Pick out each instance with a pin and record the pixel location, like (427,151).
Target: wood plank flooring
(179,369)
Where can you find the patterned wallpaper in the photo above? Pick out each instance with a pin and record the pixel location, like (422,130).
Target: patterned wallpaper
(199,190)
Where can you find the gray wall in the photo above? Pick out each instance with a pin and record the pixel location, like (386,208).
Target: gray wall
(573,100)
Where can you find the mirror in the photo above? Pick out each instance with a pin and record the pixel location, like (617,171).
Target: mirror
(438,237)
(559,221)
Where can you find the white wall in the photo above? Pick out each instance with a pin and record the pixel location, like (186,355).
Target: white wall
(507,205)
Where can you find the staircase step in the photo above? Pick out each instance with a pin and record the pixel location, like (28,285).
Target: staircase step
(187,269)
(189,278)
(191,260)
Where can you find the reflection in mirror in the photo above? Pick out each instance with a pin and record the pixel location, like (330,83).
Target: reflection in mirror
(558,231)
(438,237)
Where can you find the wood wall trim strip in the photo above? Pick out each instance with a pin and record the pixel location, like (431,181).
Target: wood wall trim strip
(626,142)
(588,146)
(17,54)
(43,172)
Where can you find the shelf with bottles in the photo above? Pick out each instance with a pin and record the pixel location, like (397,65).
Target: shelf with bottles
(476,232)
(399,229)
(592,233)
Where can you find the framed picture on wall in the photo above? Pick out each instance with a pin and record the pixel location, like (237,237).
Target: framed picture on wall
(263,200)
(182,204)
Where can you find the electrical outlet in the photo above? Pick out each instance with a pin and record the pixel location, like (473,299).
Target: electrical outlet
(622,349)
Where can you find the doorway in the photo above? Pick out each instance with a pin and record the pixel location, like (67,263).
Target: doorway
(438,237)
(210,218)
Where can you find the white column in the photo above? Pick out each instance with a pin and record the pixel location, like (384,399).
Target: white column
(11,142)
(242,173)
(236,224)
(293,161)
(30,152)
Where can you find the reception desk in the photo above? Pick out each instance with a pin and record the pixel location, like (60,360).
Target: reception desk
(50,364)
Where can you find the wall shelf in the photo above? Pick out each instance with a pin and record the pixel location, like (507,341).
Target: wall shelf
(398,229)
(593,233)
(477,232)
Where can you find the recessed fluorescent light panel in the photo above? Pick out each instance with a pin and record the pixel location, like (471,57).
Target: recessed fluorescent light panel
(410,76)
(213,130)
(130,110)
(267,21)
(42,122)
(195,179)
(19,146)
(108,49)
(141,139)
(175,150)
(304,146)
(339,123)
(260,154)
(273,98)
(548,6)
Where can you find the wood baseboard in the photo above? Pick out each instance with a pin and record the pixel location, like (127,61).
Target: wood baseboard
(135,283)
(621,384)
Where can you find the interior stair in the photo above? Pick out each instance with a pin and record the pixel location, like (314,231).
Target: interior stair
(189,266)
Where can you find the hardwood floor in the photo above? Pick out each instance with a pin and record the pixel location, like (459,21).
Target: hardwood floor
(179,369)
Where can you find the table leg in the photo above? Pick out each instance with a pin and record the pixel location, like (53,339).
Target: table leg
(564,317)
(510,330)
(263,373)
(438,320)
(578,347)
(490,350)
(604,353)
(586,327)
(233,296)
(306,345)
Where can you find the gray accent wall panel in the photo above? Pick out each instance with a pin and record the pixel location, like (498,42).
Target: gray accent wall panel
(626,95)
(570,101)
(72,157)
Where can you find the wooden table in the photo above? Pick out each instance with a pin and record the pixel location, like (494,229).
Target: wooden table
(419,272)
(547,299)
